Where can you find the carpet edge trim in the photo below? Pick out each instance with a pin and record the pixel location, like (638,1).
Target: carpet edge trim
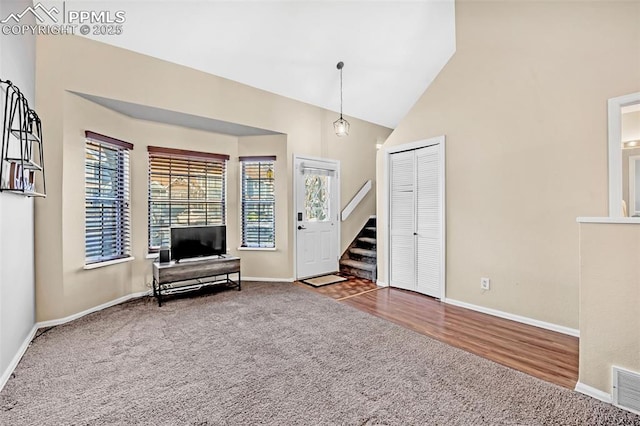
(593,392)
(18,356)
(517,318)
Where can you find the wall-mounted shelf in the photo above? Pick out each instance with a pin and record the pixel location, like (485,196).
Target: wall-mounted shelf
(30,137)
(28,165)
(21,154)
(25,193)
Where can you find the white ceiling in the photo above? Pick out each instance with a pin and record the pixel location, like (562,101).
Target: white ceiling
(392,50)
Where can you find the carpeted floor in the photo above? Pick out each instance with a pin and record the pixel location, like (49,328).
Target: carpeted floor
(271,354)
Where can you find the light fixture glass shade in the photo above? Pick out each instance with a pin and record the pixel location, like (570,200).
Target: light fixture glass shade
(629,144)
(341,127)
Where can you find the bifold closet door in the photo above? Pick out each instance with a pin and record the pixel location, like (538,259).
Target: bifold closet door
(416,220)
(401,224)
(428,221)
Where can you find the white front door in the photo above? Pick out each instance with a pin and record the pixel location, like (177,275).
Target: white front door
(317,228)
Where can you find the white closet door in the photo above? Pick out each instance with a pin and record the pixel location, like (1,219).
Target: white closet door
(428,220)
(402,221)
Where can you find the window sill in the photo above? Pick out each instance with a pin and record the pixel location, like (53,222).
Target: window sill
(257,249)
(108,263)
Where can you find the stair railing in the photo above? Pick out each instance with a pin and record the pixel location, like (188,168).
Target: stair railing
(356,200)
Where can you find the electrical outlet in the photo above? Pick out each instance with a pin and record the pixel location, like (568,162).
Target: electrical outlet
(485,283)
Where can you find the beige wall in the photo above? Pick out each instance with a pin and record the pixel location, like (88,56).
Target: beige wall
(357,165)
(609,301)
(84,66)
(265,263)
(523,105)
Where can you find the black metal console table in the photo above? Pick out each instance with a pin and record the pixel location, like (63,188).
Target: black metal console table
(188,275)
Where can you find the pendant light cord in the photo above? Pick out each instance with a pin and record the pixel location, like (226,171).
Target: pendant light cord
(340,92)
(341,126)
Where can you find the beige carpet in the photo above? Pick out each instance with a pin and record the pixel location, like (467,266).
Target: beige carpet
(272,354)
(324,280)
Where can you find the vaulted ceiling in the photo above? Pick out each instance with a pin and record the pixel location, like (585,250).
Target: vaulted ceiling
(392,50)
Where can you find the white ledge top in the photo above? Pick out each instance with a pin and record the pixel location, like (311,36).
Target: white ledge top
(630,220)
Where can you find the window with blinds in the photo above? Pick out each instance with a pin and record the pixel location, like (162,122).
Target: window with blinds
(258,202)
(107,223)
(185,188)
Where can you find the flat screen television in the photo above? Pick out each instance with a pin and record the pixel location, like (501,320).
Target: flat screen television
(198,241)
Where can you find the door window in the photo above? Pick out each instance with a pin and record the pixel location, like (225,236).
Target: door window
(316,198)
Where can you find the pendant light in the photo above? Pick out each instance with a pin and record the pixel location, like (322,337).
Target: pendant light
(341,126)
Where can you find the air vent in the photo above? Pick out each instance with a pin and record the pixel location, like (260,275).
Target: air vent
(626,389)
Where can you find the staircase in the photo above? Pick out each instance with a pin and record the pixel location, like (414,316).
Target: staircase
(360,258)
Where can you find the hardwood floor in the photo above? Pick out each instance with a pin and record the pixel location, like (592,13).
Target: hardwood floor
(541,353)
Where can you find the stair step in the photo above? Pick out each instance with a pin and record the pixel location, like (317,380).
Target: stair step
(359,265)
(371,228)
(367,240)
(362,252)
(360,273)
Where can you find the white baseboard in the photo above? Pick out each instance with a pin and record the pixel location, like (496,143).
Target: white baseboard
(381,284)
(513,317)
(594,393)
(51,323)
(269,280)
(17,357)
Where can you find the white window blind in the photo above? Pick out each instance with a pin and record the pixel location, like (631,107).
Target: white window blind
(258,202)
(185,188)
(107,210)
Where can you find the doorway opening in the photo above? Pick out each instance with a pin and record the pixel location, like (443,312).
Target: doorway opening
(621,140)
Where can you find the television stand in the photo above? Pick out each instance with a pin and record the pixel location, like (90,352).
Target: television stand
(177,277)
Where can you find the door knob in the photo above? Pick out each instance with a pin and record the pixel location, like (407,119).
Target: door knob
(301,227)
